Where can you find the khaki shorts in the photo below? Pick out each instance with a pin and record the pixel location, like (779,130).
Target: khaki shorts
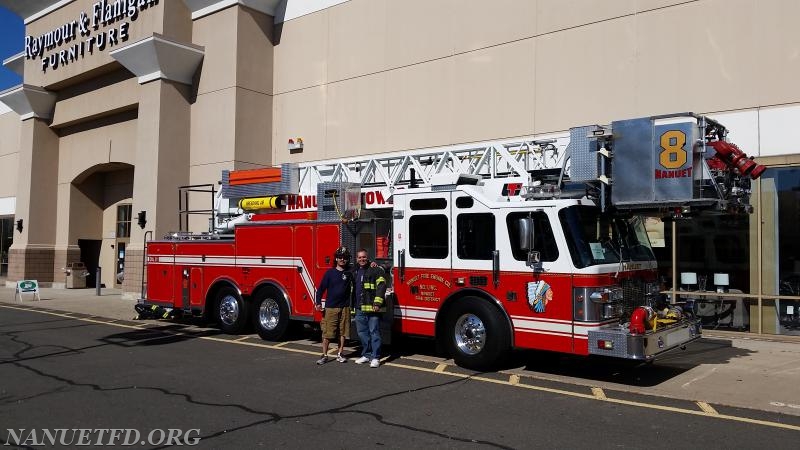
(336,323)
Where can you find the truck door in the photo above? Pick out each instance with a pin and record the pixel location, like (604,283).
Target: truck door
(424,258)
(473,240)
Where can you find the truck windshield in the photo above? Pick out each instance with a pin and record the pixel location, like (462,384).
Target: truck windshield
(594,238)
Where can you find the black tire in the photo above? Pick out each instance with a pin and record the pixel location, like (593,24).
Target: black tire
(231,311)
(477,335)
(270,316)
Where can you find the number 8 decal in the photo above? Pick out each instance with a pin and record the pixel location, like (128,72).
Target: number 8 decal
(673,155)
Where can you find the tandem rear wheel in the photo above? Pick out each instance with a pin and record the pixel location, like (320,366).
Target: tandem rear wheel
(271,315)
(231,311)
(477,335)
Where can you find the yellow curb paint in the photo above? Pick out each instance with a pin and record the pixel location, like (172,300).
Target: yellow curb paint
(708,409)
(513,380)
(599,394)
(440,368)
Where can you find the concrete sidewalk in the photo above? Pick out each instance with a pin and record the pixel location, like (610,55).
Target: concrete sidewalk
(110,303)
(760,372)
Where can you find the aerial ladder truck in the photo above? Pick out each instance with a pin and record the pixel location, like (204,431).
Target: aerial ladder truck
(535,244)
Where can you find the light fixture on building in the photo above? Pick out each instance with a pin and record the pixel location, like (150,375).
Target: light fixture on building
(142,219)
(296,145)
(688,280)
(19,225)
(722,281)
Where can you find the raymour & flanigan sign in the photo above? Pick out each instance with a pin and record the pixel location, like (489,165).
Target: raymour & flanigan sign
(87,34)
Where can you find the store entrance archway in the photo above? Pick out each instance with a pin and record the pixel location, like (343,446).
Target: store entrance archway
(100,219)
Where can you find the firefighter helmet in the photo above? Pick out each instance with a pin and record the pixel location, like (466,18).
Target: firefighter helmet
(342,252)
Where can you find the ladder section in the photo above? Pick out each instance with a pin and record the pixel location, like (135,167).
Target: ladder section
(392,170)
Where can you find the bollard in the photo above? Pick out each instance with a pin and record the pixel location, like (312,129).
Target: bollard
(97,283)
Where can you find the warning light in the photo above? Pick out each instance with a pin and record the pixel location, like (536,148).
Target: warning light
(605,345)
(295,144)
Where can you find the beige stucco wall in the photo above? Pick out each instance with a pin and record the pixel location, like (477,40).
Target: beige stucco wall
(9,153)
(355,79)
(232,114)
(80,152)
(110,94)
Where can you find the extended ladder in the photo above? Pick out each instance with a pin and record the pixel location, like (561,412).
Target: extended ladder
(487,160)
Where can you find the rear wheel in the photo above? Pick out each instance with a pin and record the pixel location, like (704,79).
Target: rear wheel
(231,311)
(477,335)
(271,316)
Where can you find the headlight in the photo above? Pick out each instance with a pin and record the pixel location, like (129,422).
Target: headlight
(605,295)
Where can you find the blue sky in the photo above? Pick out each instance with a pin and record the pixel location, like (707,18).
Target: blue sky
(12,38)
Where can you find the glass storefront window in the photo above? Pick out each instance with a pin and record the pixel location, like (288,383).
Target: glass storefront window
(715,245)
(780,249)
(124,221)
(6,238)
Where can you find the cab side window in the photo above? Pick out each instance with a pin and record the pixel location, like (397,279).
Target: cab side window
(428,236)
(475,238)
(544,242)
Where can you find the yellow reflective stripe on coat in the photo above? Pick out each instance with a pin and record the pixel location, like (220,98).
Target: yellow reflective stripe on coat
(369,285)
(377,300)
(368,309)
(380,280)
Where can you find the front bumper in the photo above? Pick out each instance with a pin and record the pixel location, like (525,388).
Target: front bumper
(643,347)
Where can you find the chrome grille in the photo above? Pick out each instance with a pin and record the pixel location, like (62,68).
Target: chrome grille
(633,295)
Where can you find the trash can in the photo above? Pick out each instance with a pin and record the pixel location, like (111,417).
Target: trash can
(76,275)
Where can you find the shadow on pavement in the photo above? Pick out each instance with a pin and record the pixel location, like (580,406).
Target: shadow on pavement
(632,373)
(159,335)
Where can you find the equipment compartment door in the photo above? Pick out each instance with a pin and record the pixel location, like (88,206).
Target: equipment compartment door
(304,282)
(196,298)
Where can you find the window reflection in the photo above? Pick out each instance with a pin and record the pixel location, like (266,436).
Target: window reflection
(715,244)
(780,200)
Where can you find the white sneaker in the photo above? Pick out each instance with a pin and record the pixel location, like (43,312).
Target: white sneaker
(341,358)
(362,360)
(322,360)
(375,363)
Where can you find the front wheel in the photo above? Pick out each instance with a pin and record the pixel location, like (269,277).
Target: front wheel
(477,335)
(271,316)
(231,310)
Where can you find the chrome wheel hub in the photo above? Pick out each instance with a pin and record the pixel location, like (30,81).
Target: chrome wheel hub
(228,310)
(269,314)
(470,334)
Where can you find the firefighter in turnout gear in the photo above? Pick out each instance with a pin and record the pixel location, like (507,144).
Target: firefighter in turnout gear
(369,303)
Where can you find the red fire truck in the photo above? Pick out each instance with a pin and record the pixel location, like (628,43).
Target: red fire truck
(487,250)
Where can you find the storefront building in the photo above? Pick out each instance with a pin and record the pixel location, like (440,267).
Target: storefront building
(124,101)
